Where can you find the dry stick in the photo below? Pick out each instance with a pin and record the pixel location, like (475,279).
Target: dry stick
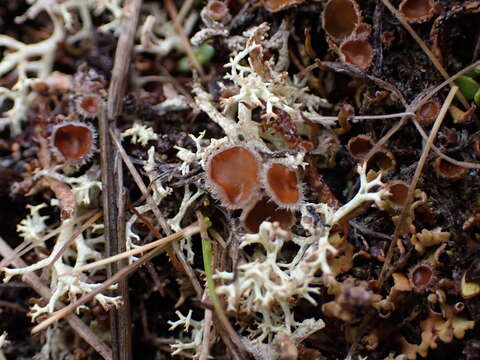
(207,333)
(370,117)
(402,121)
(172,12)
(465,164)
(113,196)
(120,275)
(18,252)
(423,46)
(12,306)
(76,234)
(176,264)
(386,137)
(186,6)
(413,184)
(188,231)
(33,280)
(403,216)
(138,180)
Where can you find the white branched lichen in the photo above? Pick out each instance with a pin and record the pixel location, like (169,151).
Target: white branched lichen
(158,35)
(3,339)
(37,59)
(33,227)
(18,57)
(190,345)
(56,345)
(71,285)
(140,134)
(269,287)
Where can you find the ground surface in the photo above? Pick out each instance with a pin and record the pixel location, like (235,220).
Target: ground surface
(379,254)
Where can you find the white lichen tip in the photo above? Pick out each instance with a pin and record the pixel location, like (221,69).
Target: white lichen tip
(33,226)
(158,36)
(3,339)
(269,286)
(188,345)
(140,133)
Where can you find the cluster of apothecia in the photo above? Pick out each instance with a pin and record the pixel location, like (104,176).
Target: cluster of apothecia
(265,190)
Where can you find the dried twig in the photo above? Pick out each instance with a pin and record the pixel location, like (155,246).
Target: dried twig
(160,218)
(423,46)
(465,164)
(415,105)
(207,335)
(13,306)
(188,231)
(120,275)
(25,246)
(70,241)
(112,177)
(34,281)
(172,11)
(413,184)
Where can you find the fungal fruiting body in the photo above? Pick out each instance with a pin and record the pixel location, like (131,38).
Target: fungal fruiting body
(234,175)
(357,52)
(88,105)
(422,277)
(265,210)
(73,142)
(417,11)
(282,184)
(383,160)
(363,31)
(449,171)
(359,146)
(218,10)
(340,18)
(398,193)
(428,112)
(278,5)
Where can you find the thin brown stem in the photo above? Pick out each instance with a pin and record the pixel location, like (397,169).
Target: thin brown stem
(77,325)
(188,231)
(120,275)
(112,177)
(423,46)
(70,241)
(18,252)
(187,269)
(413,184)
(173,13)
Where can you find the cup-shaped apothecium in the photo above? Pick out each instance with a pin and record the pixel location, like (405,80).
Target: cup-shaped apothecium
(341,18)
(383,160)
(282,184)
(427,113)
(88,106)
(449,171)
(359,146)
(422,277)
(417,11)
(266,210)
(233,174)
(398,190)
(279,5)
(357,52)
(73,142)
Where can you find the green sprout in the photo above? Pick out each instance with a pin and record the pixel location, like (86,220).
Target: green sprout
(469,87)
(203,54)
(207,263)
